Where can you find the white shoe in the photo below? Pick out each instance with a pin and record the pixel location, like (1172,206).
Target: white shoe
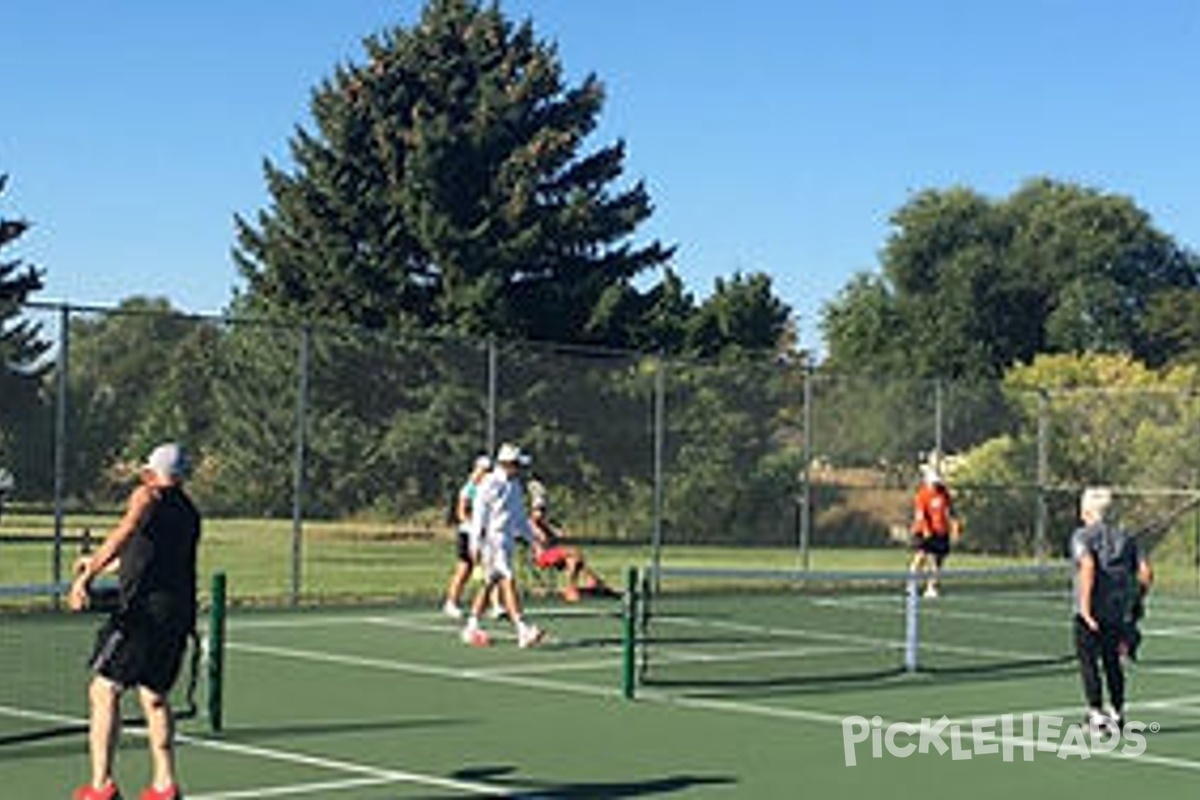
(931,591)
(530,636)
(451,610)
(1098,722)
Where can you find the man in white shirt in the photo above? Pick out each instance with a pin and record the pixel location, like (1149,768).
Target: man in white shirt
(497,519)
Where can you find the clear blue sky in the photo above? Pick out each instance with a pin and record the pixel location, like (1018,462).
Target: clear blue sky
(774,135)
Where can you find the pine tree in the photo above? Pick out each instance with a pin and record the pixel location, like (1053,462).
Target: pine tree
(445,189)
(21,350)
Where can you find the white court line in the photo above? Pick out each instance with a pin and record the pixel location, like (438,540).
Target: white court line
(294,790)
(709,704)
(383,776)
(426,670)
(866,641)
(1186,632)
(380,774)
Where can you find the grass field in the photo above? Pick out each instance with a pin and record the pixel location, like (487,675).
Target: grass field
(370,560)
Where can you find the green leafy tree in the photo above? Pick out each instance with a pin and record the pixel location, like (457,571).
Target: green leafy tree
(1101,419)
(22,421)
(970,286)
(445,188)
(1173,318)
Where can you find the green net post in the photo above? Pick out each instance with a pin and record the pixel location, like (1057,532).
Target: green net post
(629,635)
(216,653)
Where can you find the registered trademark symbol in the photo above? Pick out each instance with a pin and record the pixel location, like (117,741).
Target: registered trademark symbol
(1155,727)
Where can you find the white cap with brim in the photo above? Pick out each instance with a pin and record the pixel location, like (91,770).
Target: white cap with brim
(167,460)
(483,462)
(511,454)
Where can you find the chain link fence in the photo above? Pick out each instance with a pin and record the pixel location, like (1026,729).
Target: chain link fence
(325,458)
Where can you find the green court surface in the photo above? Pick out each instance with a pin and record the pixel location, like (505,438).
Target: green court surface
(384,703)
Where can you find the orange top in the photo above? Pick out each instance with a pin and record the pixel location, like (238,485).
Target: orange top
(932,511)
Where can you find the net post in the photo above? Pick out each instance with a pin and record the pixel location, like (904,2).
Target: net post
(629,635)
(912,616)
(216,654)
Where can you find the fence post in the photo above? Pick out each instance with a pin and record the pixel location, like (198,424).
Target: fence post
(660,421)
(938,423)
(302,361)
(492,380)
(805,499)
(60,443)
(1040,542)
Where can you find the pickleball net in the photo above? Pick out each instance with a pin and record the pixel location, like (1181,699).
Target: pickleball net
(44,655)
(731,630)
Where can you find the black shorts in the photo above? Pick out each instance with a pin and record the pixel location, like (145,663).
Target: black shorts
(135,649)
(464,546)
(936,546)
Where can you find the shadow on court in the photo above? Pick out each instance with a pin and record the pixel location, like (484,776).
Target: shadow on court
(532,789)
(878,680)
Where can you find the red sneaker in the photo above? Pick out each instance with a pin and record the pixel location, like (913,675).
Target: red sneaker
(88,792)
(169,793)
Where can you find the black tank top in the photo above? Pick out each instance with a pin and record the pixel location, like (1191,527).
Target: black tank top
(158,563)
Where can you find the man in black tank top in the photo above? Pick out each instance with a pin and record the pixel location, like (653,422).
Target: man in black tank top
(143,643)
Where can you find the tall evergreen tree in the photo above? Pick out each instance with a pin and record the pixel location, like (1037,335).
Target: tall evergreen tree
(21,350)
(446,188)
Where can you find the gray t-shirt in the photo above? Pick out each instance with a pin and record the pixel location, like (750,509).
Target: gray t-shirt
(1116,555)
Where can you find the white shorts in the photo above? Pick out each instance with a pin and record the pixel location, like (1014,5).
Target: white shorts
(495,559)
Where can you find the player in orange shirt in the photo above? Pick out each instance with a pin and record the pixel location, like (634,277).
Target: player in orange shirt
(933,526)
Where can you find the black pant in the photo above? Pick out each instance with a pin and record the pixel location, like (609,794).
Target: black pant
(1096,649)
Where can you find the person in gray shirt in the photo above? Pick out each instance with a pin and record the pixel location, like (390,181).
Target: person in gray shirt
(1111,577)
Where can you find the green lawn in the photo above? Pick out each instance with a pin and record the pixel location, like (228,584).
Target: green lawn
(363,560)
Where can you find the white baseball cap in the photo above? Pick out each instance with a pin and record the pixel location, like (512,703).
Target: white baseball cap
(511,454)
(167,460)
(483,462)
(1096,499)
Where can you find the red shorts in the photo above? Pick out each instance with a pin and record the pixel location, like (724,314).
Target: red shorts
(552,558)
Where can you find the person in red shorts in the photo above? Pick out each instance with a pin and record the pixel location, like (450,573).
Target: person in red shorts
(549,552)
(934,525)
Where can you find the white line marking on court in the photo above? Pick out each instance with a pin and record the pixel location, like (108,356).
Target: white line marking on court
(427,670)
(294,790)
(1186,632)
(646,695)
(381,774)
(548,668)
(1077,711)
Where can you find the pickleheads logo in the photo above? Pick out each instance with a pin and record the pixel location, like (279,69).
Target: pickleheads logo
(1004,736)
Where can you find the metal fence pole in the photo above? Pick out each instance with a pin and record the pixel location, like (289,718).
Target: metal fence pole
(60,443)
(939,448)
(805,499)
(492,380)
(302,362)
(1041,522)
(660,420)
